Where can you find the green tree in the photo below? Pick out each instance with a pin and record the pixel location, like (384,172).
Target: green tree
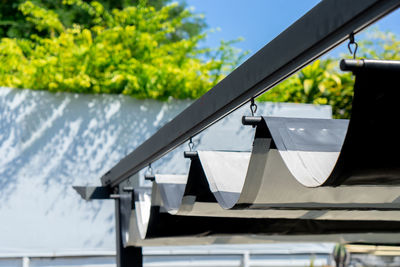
(317,83)
(127,51)
(380,45)
(14,25)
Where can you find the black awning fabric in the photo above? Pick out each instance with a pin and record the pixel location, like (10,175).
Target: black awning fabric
(260,185)
(151,225)
(370,150)
(304,180)
(327,153)
(204,221)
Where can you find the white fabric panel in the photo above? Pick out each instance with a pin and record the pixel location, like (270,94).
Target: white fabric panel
(269,190)
(225,173)
(309,147)
(171,188)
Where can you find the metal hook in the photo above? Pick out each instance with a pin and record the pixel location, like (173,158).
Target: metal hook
(351,41)
(191,144)
(253,107)
(149,174)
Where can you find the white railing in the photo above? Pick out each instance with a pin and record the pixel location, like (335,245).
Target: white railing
(154,258)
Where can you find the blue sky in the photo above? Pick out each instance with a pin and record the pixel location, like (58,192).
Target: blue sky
(259,21)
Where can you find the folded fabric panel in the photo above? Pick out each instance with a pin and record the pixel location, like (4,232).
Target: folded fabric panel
(330,153)
(304,180)
(146,224)
(259,184)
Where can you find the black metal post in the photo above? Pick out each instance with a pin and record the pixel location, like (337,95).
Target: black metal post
(129,256)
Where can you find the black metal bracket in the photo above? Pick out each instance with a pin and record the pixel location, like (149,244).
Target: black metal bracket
(98,192)
(149,177)
(357,64)
(93,192)
(251,120)
(190,154)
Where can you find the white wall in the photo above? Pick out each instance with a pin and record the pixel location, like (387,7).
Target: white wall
(49,142)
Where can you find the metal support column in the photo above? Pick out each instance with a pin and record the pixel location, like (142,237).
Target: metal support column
(129,256)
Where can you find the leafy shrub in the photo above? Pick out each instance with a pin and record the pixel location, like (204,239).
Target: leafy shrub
(127,51)
(317,83)
(155,53)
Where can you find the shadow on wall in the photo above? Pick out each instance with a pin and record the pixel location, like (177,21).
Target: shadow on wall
(49,142)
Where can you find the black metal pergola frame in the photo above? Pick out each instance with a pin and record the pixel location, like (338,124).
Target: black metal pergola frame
(324,27)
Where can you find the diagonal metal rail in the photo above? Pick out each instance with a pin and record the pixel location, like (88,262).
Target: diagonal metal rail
(325,26)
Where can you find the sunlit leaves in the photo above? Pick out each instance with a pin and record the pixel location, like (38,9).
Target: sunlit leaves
(42,18)
(128,51)
(317,83)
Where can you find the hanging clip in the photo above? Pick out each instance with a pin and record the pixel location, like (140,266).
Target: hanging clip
(191,153)
(252,120)
(191,144)
(352,42)
(253,107)
(149,175)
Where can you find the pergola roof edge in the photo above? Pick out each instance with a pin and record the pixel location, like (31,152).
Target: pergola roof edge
(321,29)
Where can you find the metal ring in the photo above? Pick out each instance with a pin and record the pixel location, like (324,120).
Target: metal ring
(351,41)
(149,175)
(355,49)
(191,144)
(253,107)
(149,169)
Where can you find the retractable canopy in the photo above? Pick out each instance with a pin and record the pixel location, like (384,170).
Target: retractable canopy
(284,188)
(282,175)
(265,183)
(242,197)
(149,224)
(361,151)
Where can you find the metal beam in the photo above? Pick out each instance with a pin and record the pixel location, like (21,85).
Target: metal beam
(325,26)
(93,192)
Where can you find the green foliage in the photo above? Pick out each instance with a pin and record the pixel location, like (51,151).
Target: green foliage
(323,83)
(127,51)
(381,45)
(317,83)
(44,20)
(147,49)
(14,25)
